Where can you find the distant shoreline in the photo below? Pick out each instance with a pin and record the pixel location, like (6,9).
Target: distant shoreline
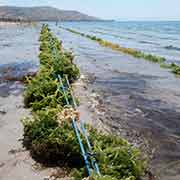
(2,23)
(5,23)
(10,22)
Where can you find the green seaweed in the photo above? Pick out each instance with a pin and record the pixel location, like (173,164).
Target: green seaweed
(51,140)
(175,69)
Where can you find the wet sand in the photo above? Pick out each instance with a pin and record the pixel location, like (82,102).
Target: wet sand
(15,160)
(15,63)
(132,98)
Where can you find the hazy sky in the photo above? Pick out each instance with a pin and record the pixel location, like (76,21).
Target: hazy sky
(112,9)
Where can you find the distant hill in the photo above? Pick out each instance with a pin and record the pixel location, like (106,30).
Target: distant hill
(12,13)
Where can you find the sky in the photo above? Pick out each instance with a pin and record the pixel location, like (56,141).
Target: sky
(112,9)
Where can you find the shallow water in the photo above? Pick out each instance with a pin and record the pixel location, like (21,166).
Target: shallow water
(18,56)
(18,43)
(141,99)
(160,38)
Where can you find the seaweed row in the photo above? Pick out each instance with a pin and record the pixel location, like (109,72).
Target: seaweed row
(49,135)
(175,69)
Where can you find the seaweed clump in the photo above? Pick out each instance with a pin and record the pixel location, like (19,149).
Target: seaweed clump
(49,135)
(117,159)
(47,138)
(42,90)
(175,69)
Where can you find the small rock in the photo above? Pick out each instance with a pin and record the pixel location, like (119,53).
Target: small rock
(15,151)
(19,106)
(46,178)
(138,110)
(85,87)
(52,178)
(93,95)
(82,77)
(2,164)
(3,111)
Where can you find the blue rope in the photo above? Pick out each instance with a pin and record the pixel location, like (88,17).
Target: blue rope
(82,147)
(63,89)
(94,163)
(75,127)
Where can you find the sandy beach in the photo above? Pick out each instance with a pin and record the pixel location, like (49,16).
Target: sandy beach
(15,161)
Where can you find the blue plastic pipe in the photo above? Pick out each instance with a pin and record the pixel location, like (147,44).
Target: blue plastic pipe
(74,124)
(75,127)
(94,163)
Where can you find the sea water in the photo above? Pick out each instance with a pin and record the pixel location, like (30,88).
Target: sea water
(159,37)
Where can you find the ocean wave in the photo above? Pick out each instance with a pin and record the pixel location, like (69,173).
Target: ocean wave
(148,42)
(171,47)
(111,34)
(168,38)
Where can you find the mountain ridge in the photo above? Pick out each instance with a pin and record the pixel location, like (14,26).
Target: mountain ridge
(41,13)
